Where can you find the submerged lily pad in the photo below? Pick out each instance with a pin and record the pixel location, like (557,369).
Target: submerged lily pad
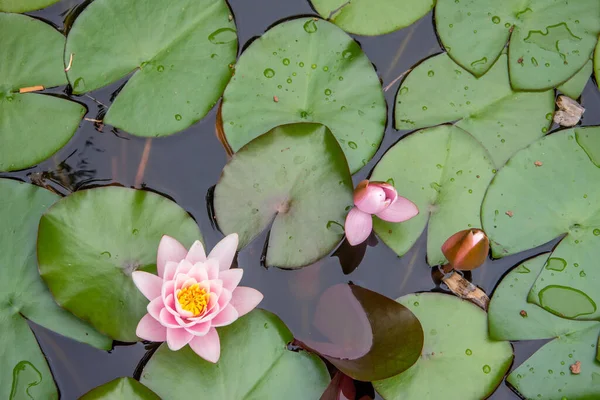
(121,388)
(307,70)
(523,209)
(445,172)
(546,374)
(550,40)
(374,17)
(254,364)
(574,86)
(438,90)
(32,126)
(90,242)
(179,54)
(23,296)
(21,6)
(295,179)
(458,356)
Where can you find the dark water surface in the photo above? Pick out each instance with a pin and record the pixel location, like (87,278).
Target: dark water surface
(186,165)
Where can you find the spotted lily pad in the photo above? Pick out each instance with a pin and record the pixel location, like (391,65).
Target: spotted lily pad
(445,172)
(294,179)
(90,242)
(458,356)
(550,40)
(24,372)
(254,364)
(574,86)
(307,70)
(121,388)
(32,126)
(547,373)
(438,90)
(21,6)
(179,54)
(523,209)
(374,17)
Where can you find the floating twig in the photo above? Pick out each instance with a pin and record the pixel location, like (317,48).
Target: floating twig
(31,89)
(143,162)
(70,63)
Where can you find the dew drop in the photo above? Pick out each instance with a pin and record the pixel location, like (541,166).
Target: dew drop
(286,61)
(549,116)
(431,73)
(487,369)
(341,78)
(468,352)
(222,36)
(416,303)
(326,68)
(404,90)
(160,68)
(479,62)
(424,108)
(582,274)
(534,61)
(496,19)
(269,73)
(289,80)
(106,254)
(327,92)
(507,25)
(178,117)
(347,54)
(310,26)
(352,145)
(596,232)
(135,231)
(214,55)
(544,130)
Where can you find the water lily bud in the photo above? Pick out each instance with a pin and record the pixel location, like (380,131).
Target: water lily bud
(466,250)
(370,199)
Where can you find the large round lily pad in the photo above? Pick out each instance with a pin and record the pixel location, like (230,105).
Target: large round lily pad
(374,17)
(445,172)
(91,241)
(121,388)
(294,179)
(24,372)
(307,70)
(438,90)
(21,6)
(550,40)
(523,208)
(179,53)
(32,126)
(458,359)
(546,374)
(254,364)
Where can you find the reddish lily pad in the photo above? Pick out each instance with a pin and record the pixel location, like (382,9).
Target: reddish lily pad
(121,388)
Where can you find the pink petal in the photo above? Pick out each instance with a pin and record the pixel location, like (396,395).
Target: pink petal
(168,288)
(227,316)
(150,329)
(170,304)
(182,313)
(155,306)
(183,268)
(224,298)
(245,299)
(169,272)
(177,338)
(149,284)
(198,272)
(358,226)
(199,329)
(169,249)
(212,268)
(167,319)
(196,253)
(216,287)
(224,251)
(207,346)
(390,191)
(371,200)
(180,279)
(231,278)
(399,211)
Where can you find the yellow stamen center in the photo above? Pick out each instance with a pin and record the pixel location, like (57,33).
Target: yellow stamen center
(193,299)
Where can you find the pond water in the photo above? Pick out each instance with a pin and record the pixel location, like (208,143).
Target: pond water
(186,165)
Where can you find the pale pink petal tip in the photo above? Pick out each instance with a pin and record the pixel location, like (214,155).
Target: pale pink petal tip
(358,226)
(196,253)
(399,211)
(224,251)
(150,329)
(177,338)
(169,249)
(372,200)
(207,346)
(149,284)
(245,299)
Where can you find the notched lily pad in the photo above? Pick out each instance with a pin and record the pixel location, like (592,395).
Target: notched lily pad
(295,179)
(306,70)
(90,242)
(121,388)
(574,86)
(445,172)
(179,53)
(21,6)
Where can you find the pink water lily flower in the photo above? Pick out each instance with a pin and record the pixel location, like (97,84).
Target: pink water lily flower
(380,199)
(192,294)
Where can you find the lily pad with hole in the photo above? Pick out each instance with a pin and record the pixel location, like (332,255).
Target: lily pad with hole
(445,172)
(21,6)
(32,126)
(254,364)
(121,388)
(546,374)
(438,90)
(178,52)
(574,86)
(293,179)
(523,209)
(90,242)
(307,70)
(458,356)
(24,372)
(549,40)
(374,17)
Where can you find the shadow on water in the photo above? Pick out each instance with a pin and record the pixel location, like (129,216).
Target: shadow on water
(186,165)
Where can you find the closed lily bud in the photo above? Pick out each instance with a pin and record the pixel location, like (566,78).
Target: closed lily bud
(466,250)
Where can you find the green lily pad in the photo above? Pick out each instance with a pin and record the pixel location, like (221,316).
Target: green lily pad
(546,374)
(307,70)
(21,6)
(374,17)
(445,172)
(90,242)
(294,179)
(121,388)
(597,64)
(550,40)
(438,90)
(32,126)
(254,364)
(23,295)
(523,209)
(179,53)
(574,86)
(458,356)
